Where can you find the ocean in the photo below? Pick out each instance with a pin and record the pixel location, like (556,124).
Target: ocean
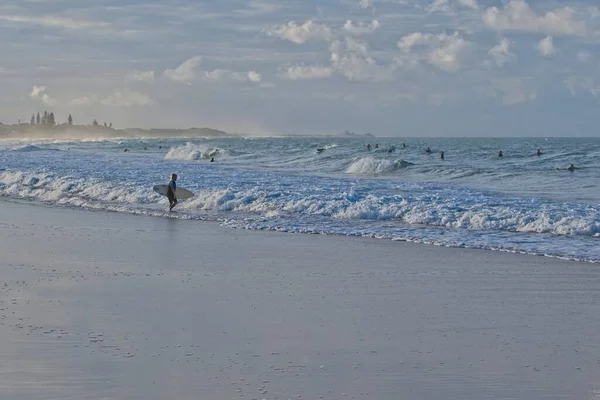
(520,202)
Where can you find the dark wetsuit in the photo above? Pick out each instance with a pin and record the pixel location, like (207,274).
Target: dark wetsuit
(171,191)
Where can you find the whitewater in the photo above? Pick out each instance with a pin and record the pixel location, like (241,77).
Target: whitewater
(520,202)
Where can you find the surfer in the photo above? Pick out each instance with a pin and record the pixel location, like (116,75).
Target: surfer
(539,153)
(442,155)
(171,191)
(369,146)
(428,150)
(500,154)
(571,168)
(212,159)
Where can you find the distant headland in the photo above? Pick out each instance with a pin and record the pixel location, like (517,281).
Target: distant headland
(45,126)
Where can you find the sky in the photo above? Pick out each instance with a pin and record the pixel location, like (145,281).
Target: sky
(387,67)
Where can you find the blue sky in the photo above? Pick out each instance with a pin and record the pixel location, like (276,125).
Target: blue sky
(390,67)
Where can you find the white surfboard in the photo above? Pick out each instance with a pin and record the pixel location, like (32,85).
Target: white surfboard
(180,193)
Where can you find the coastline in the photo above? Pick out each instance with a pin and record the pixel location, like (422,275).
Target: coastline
(111,305)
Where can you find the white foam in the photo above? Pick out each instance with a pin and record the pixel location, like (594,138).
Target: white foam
(192,152)
(374,166)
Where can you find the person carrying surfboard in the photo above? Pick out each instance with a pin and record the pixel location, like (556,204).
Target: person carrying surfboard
(171,191)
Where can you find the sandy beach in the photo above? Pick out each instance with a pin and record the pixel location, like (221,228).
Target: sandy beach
(98,305)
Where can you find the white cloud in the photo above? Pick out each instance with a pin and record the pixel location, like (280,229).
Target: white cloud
(83,101)
(254,76)
(186,72)
(448,5)
(511,91)
(225,75)
(351,59)
(360,28)
(140,76)
(365,3)
(518,16)
(576,83)
(442,51)
(305,72)
(501,54)
(546,47)
(37,93)
(56,22)
(126,99)
(300,34)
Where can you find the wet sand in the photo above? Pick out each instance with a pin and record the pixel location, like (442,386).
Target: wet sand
(98,305)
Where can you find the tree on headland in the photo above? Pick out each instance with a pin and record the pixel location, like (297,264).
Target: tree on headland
(45,118)
(70,120)
(37,119)
(32,122)
(105,124)
(110,125)
(51,121)
(95,123)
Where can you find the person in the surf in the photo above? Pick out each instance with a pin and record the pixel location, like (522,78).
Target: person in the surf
(171,191)
(369,146)
(500,154)
(428,150)
(539,153)
(442,155)
(571,168)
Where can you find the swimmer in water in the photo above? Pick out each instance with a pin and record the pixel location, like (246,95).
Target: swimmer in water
(428,150)
(571,168)
(539,152)
(500,154)
(442,155)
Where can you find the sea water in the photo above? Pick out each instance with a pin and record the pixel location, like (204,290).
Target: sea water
(473,198)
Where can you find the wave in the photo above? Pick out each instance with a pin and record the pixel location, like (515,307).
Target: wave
(31,148)
(373,166)
(65,190)
(429,214)
(193,152)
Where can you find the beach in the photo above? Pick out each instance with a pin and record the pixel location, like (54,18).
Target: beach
(105,305)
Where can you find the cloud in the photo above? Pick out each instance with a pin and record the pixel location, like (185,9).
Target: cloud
(512,91)
(83,101)
(140,76)
(126,99)
(546,47)
(360,28)
(501,54)
(518,16)
(365,4)
(448,5)
(186,72)
(225,75)
(442,51)
(305,72)
(253,76)
(301,34)
(576,83)
(351,59)
(55,22)
(37,93)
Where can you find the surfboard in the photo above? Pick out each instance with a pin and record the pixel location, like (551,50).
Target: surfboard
(180,193)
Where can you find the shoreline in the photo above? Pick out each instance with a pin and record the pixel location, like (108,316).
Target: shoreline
(111,305)
(199,218)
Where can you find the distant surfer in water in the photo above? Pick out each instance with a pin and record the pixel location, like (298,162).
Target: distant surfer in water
(571,167)
(500,154)
(171,191)
(369,146)
(442,155)
(539,153)
(428,150)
